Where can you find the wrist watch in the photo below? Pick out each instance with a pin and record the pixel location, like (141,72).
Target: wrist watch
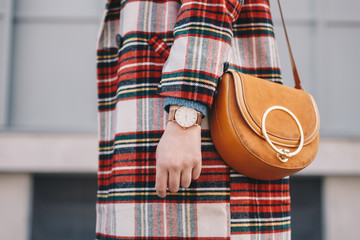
(186,117)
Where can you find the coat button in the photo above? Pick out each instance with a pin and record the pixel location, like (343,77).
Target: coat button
(118,40)
(226,66)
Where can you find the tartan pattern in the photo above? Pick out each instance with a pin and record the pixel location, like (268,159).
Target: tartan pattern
(159,46)
(151,49)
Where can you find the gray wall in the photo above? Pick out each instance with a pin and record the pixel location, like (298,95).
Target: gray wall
(48,75)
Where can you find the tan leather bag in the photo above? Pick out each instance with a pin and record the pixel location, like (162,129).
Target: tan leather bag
(262,129)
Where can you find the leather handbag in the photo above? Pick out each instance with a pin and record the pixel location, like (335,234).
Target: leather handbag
(263,129)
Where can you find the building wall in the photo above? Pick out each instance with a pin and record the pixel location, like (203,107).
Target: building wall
(48,99)
(15,207)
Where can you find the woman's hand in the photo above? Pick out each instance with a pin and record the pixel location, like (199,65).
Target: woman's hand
(178,158)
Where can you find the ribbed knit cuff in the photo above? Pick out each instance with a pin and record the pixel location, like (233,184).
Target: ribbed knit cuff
(185,102)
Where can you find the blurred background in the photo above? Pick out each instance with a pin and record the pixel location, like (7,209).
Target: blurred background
(48,117)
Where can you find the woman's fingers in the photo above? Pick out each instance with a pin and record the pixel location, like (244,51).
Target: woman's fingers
(161,182)
(185,178)
(196,171)
(174,180)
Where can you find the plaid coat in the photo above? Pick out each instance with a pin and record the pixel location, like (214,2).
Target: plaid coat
(149,49)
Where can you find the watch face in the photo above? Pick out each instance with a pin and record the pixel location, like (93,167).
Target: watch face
(185,117)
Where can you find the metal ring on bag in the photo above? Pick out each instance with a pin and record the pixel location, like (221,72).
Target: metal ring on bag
(283,154)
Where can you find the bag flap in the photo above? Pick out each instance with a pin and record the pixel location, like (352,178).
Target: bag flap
(255,96)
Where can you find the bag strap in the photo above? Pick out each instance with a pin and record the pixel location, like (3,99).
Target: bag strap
(293,65)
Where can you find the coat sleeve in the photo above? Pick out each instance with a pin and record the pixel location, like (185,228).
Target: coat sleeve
(202,42)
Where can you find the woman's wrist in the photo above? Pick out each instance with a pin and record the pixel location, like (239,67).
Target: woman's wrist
(171,107)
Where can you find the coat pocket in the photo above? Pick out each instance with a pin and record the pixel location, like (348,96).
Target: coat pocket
(159,46)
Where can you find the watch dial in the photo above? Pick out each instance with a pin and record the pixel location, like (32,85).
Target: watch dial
(186,117)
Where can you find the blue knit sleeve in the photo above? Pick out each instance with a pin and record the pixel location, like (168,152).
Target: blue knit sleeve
(185,102)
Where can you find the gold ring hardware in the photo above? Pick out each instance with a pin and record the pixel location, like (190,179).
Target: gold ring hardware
(282,154)
(284,157)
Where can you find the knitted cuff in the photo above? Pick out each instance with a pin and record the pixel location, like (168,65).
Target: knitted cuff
(185,102)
